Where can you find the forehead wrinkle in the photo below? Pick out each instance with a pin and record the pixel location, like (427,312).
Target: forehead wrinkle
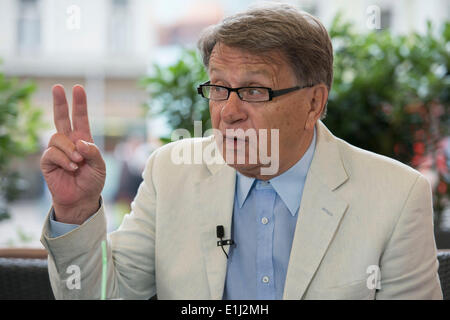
(245,75)
(245,71)
(251,64)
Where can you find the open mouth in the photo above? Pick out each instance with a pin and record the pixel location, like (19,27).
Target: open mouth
(234,141)
(234,138)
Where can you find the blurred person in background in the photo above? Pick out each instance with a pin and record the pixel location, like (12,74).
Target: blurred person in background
(132,154)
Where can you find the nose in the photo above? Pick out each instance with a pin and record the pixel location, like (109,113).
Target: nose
(232,111)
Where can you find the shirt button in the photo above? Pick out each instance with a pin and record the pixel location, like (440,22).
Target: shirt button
(265,279)
(264,220)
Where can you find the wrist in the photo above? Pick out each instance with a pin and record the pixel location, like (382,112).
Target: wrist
(76,214)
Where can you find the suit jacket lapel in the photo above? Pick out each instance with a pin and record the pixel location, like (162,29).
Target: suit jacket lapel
(320,213)
(215,199)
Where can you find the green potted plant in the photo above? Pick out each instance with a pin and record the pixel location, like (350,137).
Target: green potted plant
(19,126)
(390,96)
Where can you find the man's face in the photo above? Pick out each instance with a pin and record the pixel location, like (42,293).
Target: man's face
(232,67)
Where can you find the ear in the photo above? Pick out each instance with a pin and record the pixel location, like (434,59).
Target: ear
(318,97)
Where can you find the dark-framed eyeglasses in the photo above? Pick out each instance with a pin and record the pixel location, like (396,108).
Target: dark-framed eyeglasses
(249,94)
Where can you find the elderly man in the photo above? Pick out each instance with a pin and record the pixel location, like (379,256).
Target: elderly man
(311,217)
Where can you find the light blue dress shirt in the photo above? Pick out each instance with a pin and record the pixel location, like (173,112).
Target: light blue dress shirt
(59,228)
(264,220)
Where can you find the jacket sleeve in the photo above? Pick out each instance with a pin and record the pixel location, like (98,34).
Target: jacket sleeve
(130,252)
(409,265)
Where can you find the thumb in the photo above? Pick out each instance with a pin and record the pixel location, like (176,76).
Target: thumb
(91,154)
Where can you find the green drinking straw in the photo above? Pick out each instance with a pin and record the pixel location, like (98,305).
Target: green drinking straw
(104,270)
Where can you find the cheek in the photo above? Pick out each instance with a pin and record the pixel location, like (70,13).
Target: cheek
(289,119)
(214,112)
(275,117)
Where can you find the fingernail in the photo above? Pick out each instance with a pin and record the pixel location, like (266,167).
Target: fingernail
(76,155)
(73,166)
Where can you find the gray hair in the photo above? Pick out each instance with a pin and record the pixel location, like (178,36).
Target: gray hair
(273,27)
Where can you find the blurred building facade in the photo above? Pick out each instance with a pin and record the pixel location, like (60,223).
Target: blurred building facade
(108,45)
(103,45)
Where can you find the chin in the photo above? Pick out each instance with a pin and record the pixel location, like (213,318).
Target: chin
(251,170)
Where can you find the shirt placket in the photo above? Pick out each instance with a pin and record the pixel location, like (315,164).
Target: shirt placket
(265,228)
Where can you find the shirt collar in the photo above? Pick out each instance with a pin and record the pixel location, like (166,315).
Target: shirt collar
(289,185)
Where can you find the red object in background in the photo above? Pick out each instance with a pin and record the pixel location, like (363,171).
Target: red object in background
(419,148)
(416,161)
(442,187)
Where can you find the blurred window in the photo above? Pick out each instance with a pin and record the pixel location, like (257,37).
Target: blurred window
(29,26)
(385,18)
(119,23)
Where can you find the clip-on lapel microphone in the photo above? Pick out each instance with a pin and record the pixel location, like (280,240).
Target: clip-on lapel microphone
(220,234)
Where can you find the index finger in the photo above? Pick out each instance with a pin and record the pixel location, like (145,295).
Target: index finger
(61,110)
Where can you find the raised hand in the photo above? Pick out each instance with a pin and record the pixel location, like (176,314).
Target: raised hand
(72,164)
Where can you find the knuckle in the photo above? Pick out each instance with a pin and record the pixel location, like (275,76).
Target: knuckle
(92,147)
(46,154)
(55,157)
(53,154)
(62,142)
(54,139)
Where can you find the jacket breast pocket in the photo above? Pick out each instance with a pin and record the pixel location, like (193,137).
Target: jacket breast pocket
(354,291)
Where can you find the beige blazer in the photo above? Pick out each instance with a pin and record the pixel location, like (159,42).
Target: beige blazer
(362,215)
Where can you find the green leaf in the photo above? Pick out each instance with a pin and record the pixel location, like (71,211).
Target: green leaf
(20,123)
